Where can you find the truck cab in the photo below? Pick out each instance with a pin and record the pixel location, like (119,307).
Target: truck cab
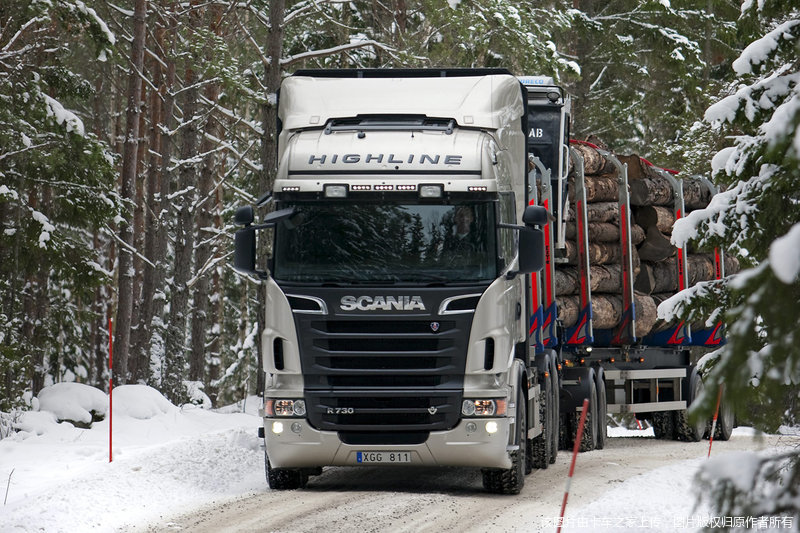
(397,288)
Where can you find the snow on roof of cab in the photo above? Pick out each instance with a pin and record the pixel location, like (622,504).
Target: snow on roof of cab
(489,101)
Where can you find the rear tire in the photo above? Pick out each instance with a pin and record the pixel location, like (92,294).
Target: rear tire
(663,425)
(284,478)
(511,480)
(725,421)
(555,412)
(602,412)
(685,430)
(589,437)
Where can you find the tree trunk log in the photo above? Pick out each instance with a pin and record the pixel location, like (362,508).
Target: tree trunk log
(604,279)
(598,231)
(654,190)
(599,212)
(646,314)
(638,234)
(655,215)
(695,194)
(593,162)
(602,188)
(656,246)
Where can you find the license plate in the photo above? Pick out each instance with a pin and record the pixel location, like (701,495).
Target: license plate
(383,457)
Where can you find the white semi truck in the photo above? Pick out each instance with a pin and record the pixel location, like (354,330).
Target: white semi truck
(410,318)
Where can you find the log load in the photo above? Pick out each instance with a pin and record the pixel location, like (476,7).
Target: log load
(607,311)
(653,255)
(662,276)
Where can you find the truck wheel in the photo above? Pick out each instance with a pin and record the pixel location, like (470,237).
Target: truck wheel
(511,480)
(555,412)
(663,425)
(589,437)
(602,411)
(284,478)
(539,448)
(725,420)
(684,429)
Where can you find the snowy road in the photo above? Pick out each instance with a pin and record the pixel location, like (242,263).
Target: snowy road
(633,479)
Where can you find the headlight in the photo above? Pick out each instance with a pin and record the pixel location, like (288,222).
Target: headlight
(483,407)
(283,407)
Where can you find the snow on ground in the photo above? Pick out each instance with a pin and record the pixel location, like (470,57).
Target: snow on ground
(165,460)
(169,461)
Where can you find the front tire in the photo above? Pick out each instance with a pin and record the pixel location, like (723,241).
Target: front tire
(511,480)
(284,478)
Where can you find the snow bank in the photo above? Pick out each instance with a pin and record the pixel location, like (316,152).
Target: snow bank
(166,461)
(74,402)
(140,401)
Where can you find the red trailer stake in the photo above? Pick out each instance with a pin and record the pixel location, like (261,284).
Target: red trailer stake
(575,449)
(714,423)
(110,389)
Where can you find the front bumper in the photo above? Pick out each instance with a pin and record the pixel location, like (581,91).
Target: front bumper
(456,447)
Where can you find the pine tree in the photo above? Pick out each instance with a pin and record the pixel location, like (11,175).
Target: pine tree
(55,192)
(757,217)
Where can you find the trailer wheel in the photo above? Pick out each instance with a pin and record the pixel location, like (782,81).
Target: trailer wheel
(284,478)
(725,420)
(663,425)
(602,410)
(589,437)
(684,429)
(539,447)
(555,412)
(511,480)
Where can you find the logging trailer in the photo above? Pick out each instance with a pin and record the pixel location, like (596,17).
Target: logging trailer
(419,220)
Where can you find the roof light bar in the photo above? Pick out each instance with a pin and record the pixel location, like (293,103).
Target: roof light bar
(384,187)
(361,187)
(292,188)
(477,188)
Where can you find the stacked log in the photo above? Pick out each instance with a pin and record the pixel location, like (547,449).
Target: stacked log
(654,257)
(605,252)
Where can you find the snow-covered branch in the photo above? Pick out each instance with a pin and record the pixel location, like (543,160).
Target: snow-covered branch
(335,50)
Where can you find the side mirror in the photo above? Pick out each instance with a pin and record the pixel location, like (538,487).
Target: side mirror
(531,249)
(244,250)
(535,215)
(244,216)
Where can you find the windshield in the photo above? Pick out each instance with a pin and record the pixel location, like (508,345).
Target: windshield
(351,242)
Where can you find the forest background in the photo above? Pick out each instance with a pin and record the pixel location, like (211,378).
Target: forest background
(131,130)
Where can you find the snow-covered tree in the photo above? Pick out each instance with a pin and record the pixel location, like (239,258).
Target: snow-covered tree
(647,69)
(56,189)
(758,218)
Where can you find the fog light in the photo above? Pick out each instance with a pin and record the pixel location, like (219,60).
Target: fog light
(277,427)
(336,191)
(472,427)
(491,427)
(296,427)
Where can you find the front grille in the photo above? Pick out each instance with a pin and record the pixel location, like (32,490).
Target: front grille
(378,375)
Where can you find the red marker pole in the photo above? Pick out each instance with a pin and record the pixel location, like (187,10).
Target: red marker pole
(575,449)
(714,423)
(110,389)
